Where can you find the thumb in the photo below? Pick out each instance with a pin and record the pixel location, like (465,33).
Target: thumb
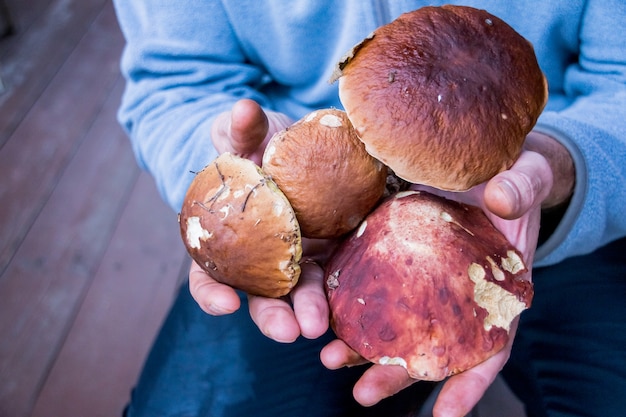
(241,131)
(526,184)
(246,129)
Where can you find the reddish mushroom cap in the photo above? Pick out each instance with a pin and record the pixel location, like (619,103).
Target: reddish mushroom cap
(426,283)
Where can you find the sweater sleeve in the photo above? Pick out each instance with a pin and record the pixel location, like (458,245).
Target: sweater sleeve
(178,79)
(593,128)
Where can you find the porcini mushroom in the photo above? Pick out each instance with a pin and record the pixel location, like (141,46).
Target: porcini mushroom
(240,228)
(426,283)
(243,224)
(327,175)
(444,96)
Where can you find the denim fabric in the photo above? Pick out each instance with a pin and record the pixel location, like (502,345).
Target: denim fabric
(223,366)
(569,356)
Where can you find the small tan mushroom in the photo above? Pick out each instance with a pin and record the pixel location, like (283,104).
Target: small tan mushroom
(240,228)
(324,170)
(426,283)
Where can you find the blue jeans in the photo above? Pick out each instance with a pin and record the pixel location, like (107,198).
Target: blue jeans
(569,358)
(224,366)
(569,355)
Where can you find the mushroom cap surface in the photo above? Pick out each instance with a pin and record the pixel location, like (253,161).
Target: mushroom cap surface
(426,283)
(240,228)
(444,96)
(324,170)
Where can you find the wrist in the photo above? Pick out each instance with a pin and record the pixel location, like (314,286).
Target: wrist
(562,166)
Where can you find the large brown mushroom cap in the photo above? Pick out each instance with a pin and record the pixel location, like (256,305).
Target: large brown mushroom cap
(239,227)
(426,283)
(443,95)
(324,170)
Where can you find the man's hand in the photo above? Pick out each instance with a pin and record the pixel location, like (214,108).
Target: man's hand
(512,200)
(303,312)
(245,131)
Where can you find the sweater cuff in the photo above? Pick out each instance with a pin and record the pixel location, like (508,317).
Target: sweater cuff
(574,207)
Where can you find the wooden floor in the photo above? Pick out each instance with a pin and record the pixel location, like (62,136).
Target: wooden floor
(89,255)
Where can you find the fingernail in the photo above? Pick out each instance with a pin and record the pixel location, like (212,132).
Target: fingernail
(510,193)
(217,310)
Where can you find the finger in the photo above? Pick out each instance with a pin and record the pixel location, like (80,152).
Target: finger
(274,317)
(241,131)
(513,192)
(309,301)
(461,392)
(248,127)
(380,382)
(213,297)
(337,354)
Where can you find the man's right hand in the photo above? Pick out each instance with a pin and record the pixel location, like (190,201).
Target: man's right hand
(245,132)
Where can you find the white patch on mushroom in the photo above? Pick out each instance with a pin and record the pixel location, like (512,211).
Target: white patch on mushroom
(439,98)
(225,211)
(502,306)
(238,193)
(195,232)
(330,120)
(360,301)
(361,229)
(333,280)
(223,192)
(386,360)
(446,217)
(277,208)
(407,193)
(311,116)
(504,116)
(498,275)
(269,153)
(252,188)
(284,265)
(513,263)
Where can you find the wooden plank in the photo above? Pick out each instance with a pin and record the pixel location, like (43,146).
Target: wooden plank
(121,314)
(31,59)
(45,282)
(38,151)
(23,16)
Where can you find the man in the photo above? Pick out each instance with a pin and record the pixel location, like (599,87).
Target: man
(205,77)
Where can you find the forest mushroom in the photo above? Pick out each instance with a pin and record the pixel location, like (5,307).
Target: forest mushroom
(444,96)
(243,224)
(324,170)
(426,283)
(240,228)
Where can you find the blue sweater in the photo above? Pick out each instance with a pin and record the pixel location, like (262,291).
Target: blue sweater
(188,60)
